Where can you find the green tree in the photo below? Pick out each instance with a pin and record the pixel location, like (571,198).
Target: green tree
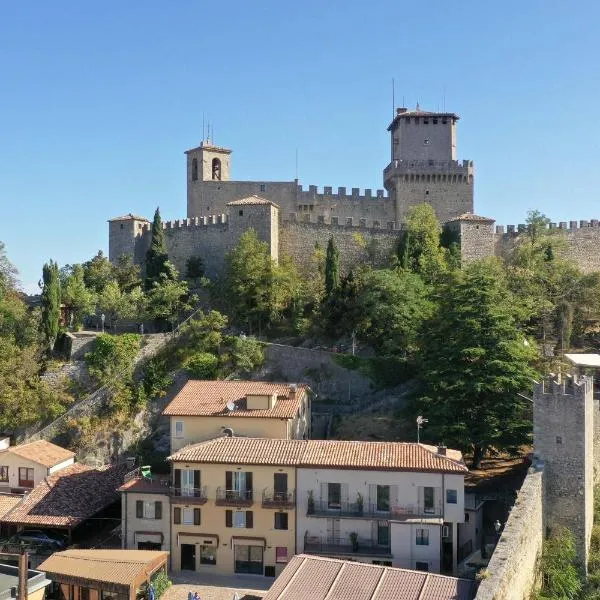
(126,273)
(249,281)
(341,312)
(113,357)
(391,307)
(194,268)
(419,249)
(476,363)
(115,304)
(80,301)
(97,272)
(168,299)
(247,354)
(202,365)
(50,303)
(158,266)
(332,267)
(8,272)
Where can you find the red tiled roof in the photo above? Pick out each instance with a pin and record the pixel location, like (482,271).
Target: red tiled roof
(8,502)
(210,398)
(42,452)
(396,456)
(252,201)
(157,485)
(332,579)
(69,496)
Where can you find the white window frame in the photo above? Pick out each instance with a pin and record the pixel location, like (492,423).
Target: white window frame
(149,511)
(239,521)
(185,520)
(178,429)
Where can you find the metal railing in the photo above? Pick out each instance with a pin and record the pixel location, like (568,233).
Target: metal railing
(225,497)
(192,495)
(323,508)
(341,545)
(273,499)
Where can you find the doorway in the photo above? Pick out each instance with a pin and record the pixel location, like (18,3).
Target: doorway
(188,557)
(249,559)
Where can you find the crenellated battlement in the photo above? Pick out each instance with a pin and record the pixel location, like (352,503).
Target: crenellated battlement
(342,193)
(562,225)
(342,222)
(568,385)
(206,221)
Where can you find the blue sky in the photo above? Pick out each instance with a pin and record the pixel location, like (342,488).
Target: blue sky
(99,101)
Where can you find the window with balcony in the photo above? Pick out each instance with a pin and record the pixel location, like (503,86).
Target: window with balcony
(3,474)
(451,497)
(422,537)
(334,495)
(383,498)
(238,485)
(383,533)
(25,477)
(281,520)
(428,500)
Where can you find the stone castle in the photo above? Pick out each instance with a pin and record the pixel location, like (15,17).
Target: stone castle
(292,219)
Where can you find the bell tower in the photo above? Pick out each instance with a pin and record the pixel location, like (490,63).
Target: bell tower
(207,165)
(423,166)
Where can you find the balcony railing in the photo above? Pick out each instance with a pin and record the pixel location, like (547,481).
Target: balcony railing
(272,499)
(354,510)
(188,495)
(226,497)
(344,546)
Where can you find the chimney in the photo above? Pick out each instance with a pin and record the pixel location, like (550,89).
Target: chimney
(441,450)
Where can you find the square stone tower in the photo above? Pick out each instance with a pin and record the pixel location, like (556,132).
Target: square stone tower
(207,166)
(563,437)
(423,165)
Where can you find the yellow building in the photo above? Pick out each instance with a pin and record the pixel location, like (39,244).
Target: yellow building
(205,409)
(233,508)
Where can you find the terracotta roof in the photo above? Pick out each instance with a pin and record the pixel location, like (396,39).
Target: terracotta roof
(8,502)
(472,217)
(156,485)
(332,579)
(111,566)
(396,456)
(42,452)
(210,398)
(69,496)
(128,217)
(252,201)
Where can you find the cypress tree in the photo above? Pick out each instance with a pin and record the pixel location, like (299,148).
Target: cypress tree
(157,259)
(332,268)
(50,302)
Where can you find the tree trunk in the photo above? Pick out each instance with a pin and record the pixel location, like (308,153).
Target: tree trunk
(477,457)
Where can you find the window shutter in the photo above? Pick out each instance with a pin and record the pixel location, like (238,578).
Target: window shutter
(158,509)
(196,516)
(228,518)
(197,479)
(249,519)
(177,515)
(139,509)
(177,478)
(228,480)
(249,483)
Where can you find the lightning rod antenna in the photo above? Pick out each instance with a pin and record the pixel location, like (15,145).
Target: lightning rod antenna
(393,97)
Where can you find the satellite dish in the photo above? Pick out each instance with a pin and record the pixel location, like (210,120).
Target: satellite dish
(230,406)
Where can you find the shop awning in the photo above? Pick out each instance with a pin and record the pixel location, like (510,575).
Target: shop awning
(243,540)
(149,536)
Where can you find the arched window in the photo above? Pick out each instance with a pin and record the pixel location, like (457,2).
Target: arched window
(216,169)
(194,169)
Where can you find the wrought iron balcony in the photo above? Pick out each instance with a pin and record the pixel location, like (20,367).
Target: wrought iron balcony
(226,497)
(403,512)
(272,499)
(188,495)
(344,546)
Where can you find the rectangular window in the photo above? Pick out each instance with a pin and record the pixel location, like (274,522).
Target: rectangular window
(435,121)
(383,498)
(188,516)
(421,566)
(177,515)
(383,533)
(451,496)
(281,520)
(25,477)
(178,429)
(422,537)
(196,516)
(208,555)
(280,485)
(4,474)
(85,593)
(239,518)
(158,509)
(263,187)
(428,499)
(139,509)
(334,495)
(281,554)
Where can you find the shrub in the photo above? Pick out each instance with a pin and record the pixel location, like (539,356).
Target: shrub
(247,353)
(161,583)
(202,365)
(113,356)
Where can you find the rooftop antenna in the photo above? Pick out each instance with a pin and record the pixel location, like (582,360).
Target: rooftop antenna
(230,406)
(203,128)
(296,163)
(444,98)
(393,97)
(420,422)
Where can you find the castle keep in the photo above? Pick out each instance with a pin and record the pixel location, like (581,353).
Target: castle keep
(291,218)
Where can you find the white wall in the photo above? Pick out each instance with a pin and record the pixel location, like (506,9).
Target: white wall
(405,550)
(62,465)
(13,462)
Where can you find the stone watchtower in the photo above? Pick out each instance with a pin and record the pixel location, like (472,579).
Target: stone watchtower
(126,236)
(423,165)
(207,167)
(563,438)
